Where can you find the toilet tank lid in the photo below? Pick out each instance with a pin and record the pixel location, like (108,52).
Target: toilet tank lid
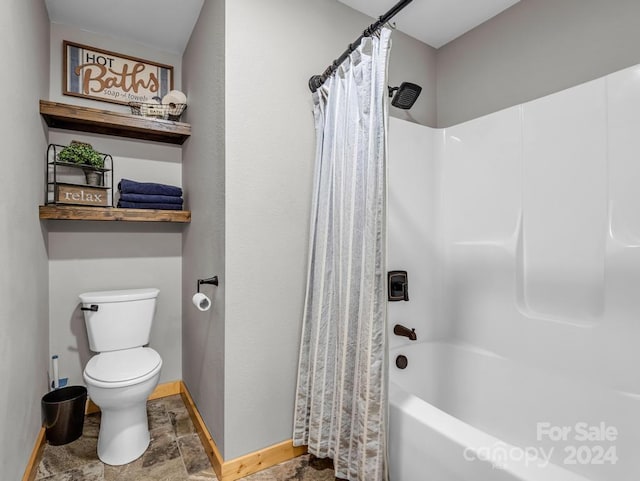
(119,295)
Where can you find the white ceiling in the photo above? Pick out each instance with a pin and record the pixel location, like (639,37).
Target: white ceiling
(167,24)
(162,24)
(435,22)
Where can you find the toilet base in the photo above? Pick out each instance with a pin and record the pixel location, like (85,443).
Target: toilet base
(124,429)
(124,435)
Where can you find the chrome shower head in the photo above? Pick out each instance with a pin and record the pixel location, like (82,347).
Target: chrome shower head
(405,95)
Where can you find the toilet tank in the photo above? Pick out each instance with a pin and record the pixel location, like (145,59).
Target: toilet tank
(118,319)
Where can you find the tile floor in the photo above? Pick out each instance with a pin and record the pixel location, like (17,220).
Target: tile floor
(174,454)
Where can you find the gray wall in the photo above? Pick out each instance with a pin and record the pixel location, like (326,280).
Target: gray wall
(247,168)
(534,48)
(326,37)
(272,48)
(411,61)
(203,333)
(60,32)
(88,256)
(24,329)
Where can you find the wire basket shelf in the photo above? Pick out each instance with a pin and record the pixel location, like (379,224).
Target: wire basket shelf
(158,111)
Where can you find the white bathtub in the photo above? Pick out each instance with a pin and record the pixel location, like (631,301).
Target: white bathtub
(462,414)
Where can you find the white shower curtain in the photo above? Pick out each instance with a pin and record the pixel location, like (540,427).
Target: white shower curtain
(341,400)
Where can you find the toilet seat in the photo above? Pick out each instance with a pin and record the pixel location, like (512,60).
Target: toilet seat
(122,368)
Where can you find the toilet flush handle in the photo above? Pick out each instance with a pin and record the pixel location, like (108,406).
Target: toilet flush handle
(94,308)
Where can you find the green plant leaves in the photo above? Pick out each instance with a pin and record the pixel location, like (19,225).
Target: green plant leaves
(81,154)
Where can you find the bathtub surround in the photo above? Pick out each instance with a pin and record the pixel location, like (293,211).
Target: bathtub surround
(533,262)
(411,216)
(340,409)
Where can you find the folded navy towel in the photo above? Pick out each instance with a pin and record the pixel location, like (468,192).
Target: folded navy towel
(156,199)
(127,186)
(148,205)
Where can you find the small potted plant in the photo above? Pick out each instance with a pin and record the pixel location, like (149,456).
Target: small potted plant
(83,154)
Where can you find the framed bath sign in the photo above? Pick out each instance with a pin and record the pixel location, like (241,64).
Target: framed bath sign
(98,74)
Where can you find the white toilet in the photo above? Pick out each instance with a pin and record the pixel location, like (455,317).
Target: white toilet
(122,376)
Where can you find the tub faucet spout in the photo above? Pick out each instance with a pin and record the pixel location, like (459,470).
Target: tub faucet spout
(400,330)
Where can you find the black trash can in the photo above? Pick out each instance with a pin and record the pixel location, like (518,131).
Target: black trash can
(63,414)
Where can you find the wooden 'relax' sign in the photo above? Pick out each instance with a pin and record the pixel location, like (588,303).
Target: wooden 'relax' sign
(81,195)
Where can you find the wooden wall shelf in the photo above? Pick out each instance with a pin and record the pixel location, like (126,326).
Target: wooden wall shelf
(85,119)
(77,212)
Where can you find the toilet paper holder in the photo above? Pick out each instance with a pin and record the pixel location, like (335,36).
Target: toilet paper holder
(211,280)
(201,301)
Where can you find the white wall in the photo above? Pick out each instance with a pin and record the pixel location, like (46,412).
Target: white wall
(86,256)
(24,293)
(532,49)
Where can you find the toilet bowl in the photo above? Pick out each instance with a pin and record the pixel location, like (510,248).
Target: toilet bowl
(124,373)
(119,383)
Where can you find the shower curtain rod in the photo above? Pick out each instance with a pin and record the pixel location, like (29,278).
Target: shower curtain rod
(316,81)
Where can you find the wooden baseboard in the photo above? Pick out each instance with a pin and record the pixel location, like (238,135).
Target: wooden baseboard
(225,470)
(244,465)
(36,455)
(205,437)
(166,389)
(259,460)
